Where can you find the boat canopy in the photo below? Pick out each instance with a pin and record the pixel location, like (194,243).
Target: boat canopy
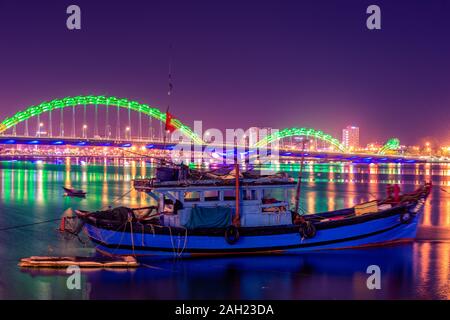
(203,217)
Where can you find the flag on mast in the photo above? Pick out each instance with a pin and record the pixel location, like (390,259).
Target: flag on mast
(169,125)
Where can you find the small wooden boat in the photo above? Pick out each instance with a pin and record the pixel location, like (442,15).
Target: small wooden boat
(82,262)
(209,217)
(71,192)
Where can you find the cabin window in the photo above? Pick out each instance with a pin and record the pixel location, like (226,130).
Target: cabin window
(229,195)
(212,195)
(250,195)
(192,196)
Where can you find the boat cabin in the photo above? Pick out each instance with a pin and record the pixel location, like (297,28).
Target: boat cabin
(260,204)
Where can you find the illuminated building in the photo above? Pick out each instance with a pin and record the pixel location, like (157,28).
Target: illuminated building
(350,137)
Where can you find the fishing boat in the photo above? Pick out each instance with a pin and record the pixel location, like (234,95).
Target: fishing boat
(71,192)
(244,213)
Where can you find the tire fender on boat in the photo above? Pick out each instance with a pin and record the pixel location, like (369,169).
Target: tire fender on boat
(231,234)
(405,217)
(307,230)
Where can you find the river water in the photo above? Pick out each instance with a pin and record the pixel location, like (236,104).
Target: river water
(31,192)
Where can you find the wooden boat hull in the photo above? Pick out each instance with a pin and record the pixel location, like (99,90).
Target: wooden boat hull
(370,230)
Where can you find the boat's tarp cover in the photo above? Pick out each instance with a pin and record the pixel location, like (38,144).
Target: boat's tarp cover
(218,217)
(119,214)
(167,174)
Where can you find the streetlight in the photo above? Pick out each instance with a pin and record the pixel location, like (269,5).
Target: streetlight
(38,133)
(427,144)
(84,131)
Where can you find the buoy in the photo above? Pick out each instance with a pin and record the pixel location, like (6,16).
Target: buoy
(405,217)
(231,234)
(307,230)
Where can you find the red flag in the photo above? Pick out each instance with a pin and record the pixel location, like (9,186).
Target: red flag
(169,125)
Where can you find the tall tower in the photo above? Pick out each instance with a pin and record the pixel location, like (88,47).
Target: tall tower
(350,137)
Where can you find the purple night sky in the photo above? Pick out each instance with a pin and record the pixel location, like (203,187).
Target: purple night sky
(240,63)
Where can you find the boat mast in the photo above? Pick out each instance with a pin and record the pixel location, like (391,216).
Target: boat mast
(299,182)
(169,92)
(237,216)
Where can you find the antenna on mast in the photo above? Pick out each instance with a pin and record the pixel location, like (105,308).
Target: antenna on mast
(170,85)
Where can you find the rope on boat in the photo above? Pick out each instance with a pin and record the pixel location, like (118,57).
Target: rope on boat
(116,230)
(28,224)
(185,242)
(171,240)
(162,160)
(132,235)
(114,201)
(177,251)
(74,233)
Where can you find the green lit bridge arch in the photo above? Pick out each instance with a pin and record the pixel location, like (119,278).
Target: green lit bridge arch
(95,100)
(391,145)
(308,132)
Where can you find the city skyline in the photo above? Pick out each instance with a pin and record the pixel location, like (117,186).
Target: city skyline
(322,69)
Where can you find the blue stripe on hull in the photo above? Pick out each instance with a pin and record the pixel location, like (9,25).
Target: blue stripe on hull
(372,232)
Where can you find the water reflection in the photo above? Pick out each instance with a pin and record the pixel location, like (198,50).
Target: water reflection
(30,192)
(432,266)
(408,271)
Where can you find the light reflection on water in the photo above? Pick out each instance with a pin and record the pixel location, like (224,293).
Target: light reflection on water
(32,192)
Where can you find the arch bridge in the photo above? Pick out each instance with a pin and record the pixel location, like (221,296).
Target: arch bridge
(306,132)
(48,119)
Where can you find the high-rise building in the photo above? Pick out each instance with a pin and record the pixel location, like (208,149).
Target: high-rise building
(350,137)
